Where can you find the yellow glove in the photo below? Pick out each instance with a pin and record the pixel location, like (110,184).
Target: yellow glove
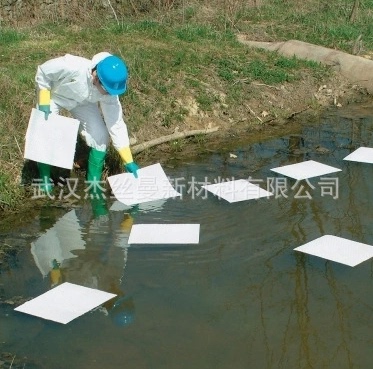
(44,102)
(127,223)
(55,273)
(126,155)
(129,164)
(56,277)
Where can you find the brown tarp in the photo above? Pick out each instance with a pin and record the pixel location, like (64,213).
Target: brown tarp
(357,69)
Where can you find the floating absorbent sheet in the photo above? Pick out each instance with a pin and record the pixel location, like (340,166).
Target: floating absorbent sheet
(152,184)
(65,302)
(238,190)
(51,141)
(164,234)
(306,169)
(338,249)
(362,155)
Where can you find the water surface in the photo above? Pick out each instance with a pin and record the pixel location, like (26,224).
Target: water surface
(241,298)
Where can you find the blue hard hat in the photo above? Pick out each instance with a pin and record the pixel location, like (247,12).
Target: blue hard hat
(112,73)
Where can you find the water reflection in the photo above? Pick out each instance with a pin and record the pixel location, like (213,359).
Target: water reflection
(240,299)
(86,235)
(56,245)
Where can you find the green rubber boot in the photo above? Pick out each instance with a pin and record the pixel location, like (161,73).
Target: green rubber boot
(45,175)
(96,162)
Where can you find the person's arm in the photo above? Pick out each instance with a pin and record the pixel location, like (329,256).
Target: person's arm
(52,71)
(46,75)
(113,116)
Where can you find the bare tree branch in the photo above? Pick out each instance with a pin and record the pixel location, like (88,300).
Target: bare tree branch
(157,141)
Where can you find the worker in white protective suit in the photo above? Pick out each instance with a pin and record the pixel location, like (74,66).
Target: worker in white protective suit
(89,90)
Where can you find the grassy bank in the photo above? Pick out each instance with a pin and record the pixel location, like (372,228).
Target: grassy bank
(186,68)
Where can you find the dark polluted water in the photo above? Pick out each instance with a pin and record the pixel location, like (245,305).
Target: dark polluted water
(241,298)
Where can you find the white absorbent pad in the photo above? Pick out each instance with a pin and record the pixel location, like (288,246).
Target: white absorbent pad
(152,184)
(338,249)
(51,141)
(305,170)
(65,302)
(164,234)
(237,190)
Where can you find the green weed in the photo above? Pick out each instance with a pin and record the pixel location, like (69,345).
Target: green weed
(146,26)
(205,100)
(10,196)
(10,36)
(196,32)
(174,116)
(177,145)
(325,23)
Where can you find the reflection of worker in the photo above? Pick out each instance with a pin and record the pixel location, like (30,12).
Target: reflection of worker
(121,309)
(87,88)
(55,273)
(57,244)
(102,266)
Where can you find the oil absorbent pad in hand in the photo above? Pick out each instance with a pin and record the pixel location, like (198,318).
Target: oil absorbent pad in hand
(51,141)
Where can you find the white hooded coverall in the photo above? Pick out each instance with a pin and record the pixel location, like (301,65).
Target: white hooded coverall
(70,80)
